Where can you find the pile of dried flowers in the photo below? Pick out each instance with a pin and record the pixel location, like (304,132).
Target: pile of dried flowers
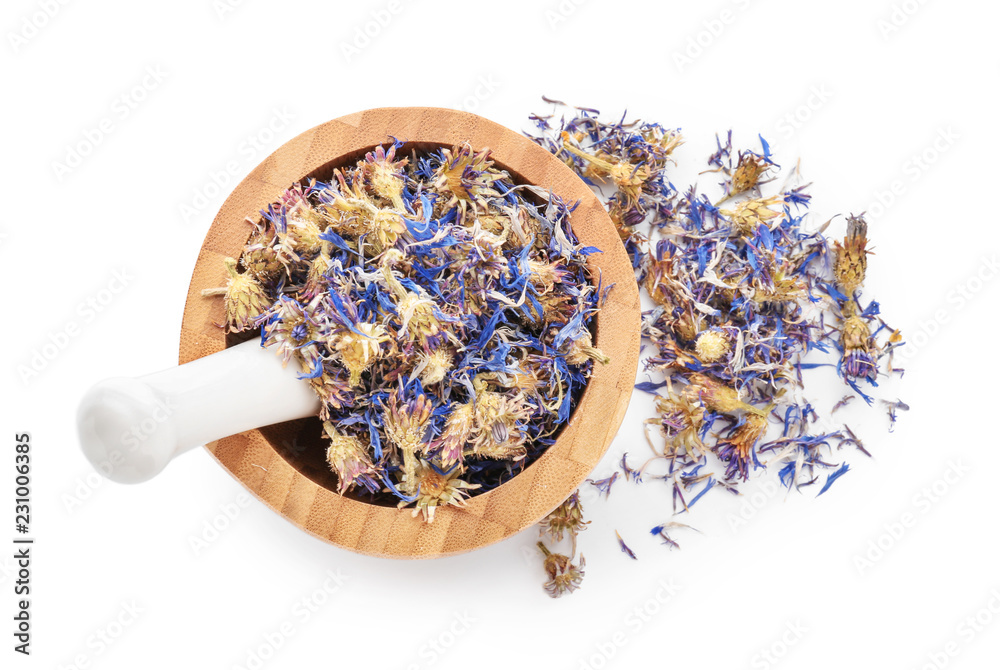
(740,293)
(440,314)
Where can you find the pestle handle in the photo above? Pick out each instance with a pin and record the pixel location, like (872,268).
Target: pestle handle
(130,428)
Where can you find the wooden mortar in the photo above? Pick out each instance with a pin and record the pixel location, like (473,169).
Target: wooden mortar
(283,465)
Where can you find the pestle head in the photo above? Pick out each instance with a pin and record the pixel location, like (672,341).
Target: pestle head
(124,431)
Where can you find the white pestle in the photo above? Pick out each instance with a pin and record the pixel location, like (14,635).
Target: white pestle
(130,429)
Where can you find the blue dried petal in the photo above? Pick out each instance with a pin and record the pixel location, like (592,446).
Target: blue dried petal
(832,477)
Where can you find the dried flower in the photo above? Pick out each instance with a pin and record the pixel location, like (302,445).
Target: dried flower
(661,531)
(498,424)
(358,348)
(737,449)
(245,299)
(348,457)
(406,422)
(435,488)
(748,172)
(855,338)
(628,177)
(624,547)
(260,257)
(440,315)
(435,365)
(716,396)
(712,345)
(386,174)
(604,485)
(681,420)
(458,430)
(747,215)
(742,294)
(565,519)
(582,349)
(852,256)
(564,576)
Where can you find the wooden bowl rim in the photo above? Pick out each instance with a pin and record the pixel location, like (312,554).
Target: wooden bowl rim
(492,516)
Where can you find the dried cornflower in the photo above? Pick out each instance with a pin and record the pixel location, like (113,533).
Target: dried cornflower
(712,345)
(439,314)
(260,258)
(681,420)
(742,294)
(498,430)
(748,172)
(291,328)
(748,214)
(545,276)
(348,457)
(458,429)
(852,256)
(435,488)
(582,349)
(565,519)
(564,576)
(245,300)
(406,423)
(358,348)
(435,365)
(736,450)
(716,396)
(855,338)
(628,177)
(386,175)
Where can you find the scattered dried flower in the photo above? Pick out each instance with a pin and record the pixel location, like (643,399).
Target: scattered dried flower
(564,576)
(742,293)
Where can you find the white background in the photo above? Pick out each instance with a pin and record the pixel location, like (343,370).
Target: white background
(871,97)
